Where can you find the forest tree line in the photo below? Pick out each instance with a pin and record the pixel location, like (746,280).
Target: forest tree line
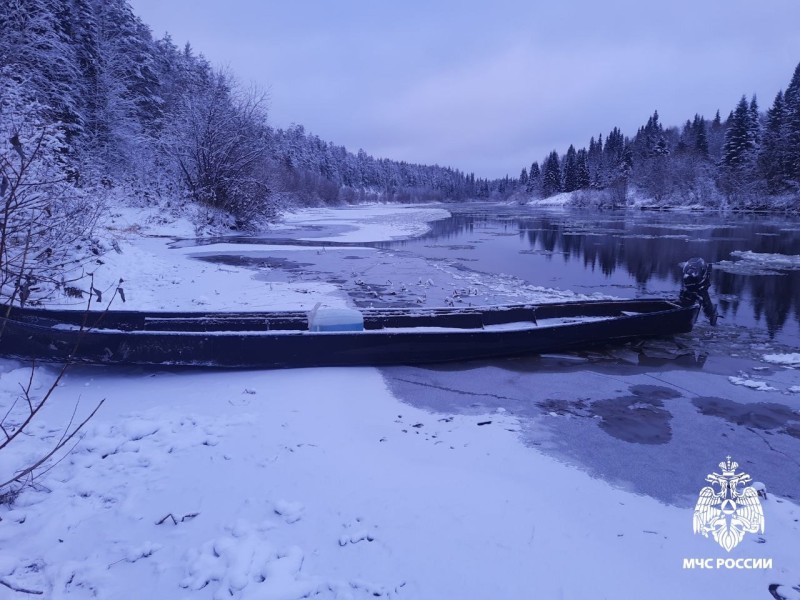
(141,114)
(749,160)
(133,113)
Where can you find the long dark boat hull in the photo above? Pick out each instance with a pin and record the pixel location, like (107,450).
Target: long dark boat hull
(282,339)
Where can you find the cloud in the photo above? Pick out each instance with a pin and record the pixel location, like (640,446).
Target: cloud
(499,108)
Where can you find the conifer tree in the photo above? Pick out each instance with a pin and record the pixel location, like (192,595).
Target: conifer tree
(772,159)
(649,138)
(716,138)
(534,178)
(614,148)
(685,141)
(551,176)
(753,125)
(570,174)
(792,128)
(595,162)
(583,179)
(700,137)
(739,140)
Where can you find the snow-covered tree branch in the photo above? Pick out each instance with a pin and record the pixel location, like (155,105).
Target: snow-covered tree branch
(45,221)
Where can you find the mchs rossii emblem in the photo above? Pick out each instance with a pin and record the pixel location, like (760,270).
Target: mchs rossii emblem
(727,510)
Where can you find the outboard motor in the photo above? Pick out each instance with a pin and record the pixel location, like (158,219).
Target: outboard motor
(694,287)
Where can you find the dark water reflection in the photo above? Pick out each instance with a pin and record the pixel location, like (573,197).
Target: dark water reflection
(627,254)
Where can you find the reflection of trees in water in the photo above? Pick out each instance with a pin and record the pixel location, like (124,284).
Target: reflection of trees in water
(775,298)
(642,251)
(636,244)
(455,226)
(729,288)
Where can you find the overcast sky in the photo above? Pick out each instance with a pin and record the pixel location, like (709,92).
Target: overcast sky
(488,87)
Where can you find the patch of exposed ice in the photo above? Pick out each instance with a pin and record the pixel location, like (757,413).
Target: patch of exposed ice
(368,222)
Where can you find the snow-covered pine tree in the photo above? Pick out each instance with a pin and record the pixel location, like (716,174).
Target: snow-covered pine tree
(739,139)
(773,156)
(551,175)
(613,150)
(700,136)
(534,178)
(792,103)
(570,171)
(582,173)
(753,126)
(716,138)
(595,162)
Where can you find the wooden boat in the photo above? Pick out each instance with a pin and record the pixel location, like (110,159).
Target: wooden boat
(283,339)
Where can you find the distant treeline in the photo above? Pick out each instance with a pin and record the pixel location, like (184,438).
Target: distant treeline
(750,160)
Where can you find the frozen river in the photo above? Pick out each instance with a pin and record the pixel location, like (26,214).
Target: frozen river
(503,478)
(646,416)
(756,281)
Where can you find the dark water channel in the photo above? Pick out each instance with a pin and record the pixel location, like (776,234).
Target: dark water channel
(633,254)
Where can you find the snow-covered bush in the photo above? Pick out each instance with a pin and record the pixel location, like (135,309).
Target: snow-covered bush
(219,142)
(46,223)
(45,237)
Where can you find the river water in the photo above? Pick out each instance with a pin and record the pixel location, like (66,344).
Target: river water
(633,254)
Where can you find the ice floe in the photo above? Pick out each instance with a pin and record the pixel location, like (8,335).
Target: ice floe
(755,263)
(786,360)
(761,386)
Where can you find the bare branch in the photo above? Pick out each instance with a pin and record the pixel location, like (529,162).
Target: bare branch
(29,471)
(21,590)
(45,224)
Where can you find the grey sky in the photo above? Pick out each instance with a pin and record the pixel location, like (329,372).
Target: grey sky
(488,87)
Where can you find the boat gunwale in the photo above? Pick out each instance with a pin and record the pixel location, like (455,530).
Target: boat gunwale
(30,317)
(37,336)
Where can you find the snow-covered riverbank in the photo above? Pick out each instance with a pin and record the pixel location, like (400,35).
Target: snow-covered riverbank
(321,483)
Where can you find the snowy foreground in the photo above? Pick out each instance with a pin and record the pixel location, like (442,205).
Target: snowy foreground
(319,483)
